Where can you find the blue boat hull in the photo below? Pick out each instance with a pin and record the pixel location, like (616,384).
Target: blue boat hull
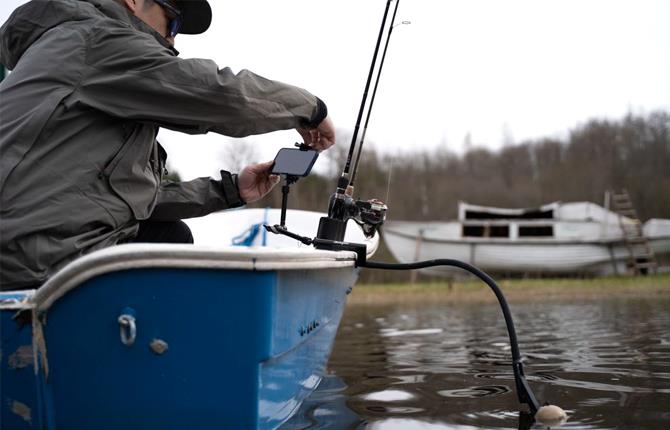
(244,348)
(18,381)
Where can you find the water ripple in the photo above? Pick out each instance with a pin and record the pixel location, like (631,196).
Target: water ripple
(424,366)
(475,392)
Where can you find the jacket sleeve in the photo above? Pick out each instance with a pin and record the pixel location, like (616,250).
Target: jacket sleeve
(199,197)
(130,75)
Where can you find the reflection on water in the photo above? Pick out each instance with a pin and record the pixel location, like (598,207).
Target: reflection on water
(429,366)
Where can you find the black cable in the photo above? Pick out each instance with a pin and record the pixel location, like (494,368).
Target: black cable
(524,392)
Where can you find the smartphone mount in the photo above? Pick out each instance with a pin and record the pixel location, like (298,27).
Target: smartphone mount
(285,189)
(291,165)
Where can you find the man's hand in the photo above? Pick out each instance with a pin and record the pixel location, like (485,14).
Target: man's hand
(321,137)
(255,181)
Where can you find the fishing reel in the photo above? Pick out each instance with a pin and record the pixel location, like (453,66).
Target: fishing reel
(369,214)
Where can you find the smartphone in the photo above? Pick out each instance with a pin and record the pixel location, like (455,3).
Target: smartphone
(294,162)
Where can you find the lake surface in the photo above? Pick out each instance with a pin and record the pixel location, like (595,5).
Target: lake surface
(432,366)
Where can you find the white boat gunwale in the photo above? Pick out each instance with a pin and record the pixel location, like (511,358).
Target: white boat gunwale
(144,256)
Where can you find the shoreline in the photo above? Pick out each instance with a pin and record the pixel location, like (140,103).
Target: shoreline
(515,290)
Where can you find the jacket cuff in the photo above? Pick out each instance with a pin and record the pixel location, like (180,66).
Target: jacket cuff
(319,115)
(231,192)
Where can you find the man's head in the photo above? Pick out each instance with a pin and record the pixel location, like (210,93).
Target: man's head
(169,17)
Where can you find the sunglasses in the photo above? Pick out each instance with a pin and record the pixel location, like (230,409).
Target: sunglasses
(175,17)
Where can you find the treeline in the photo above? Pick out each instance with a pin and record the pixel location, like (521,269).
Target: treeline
(600,155)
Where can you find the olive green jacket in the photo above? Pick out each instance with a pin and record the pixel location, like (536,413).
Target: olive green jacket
(79,164)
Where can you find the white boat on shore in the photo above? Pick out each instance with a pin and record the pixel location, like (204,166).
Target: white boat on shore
(558,238)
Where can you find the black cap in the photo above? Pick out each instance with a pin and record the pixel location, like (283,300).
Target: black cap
(196,16)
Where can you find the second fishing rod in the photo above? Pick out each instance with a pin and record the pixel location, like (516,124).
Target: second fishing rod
(342,206)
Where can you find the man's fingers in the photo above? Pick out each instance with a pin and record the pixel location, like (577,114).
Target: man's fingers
(306,135)
(320,138)
(266,165)
(262,168)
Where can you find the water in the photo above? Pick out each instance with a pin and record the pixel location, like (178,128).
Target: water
(431,366)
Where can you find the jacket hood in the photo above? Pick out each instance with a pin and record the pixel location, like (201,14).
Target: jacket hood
(30,21)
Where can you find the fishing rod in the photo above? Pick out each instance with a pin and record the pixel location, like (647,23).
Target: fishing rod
(374,93)
(342,207)
(344,182)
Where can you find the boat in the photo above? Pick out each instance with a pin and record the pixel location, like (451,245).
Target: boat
(555,239)
(234,332)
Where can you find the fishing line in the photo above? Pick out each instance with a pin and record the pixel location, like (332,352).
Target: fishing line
(388,182)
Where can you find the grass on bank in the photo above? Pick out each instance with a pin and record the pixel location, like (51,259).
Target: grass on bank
(473,290)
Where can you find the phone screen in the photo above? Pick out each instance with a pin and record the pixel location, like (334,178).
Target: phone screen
(294,162)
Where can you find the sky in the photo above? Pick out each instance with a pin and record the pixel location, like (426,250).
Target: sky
(500,72)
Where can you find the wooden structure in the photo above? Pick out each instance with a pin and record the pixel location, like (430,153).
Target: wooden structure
(642,259)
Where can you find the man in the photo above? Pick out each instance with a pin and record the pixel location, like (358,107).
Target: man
(92,82)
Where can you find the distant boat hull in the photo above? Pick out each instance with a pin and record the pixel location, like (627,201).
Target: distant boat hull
(409,241)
